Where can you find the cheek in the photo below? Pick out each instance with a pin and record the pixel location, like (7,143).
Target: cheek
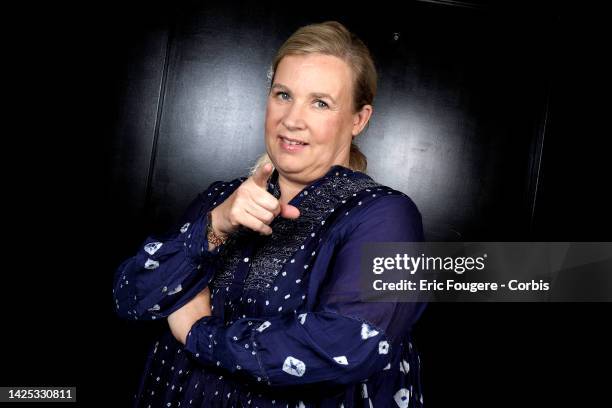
(269,117)
(273,114)
(327,131)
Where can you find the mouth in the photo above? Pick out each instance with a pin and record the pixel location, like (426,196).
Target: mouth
(291,145)
(291,141)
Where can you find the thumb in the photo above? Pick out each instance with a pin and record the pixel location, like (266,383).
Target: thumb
(261,175)
(289,211)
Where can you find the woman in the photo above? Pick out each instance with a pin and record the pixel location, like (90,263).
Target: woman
(259,281)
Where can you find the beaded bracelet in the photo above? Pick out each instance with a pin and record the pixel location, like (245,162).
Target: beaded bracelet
(213,239)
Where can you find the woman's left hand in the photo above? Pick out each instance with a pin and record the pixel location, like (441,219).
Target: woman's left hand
(181,320)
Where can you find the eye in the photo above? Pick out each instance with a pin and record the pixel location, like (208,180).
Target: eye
(321,104)
(282,95)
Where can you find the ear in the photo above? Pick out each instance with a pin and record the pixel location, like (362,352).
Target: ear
(361,118)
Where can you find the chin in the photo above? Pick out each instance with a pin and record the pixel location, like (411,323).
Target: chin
(287,165)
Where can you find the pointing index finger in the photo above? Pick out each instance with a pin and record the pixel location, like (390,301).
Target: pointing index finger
(261,175)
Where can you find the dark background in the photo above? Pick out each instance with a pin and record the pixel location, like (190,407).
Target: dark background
(490,115)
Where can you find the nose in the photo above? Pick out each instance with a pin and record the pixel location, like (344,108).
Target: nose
(294,117)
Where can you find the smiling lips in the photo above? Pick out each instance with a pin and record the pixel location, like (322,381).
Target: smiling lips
(291,145)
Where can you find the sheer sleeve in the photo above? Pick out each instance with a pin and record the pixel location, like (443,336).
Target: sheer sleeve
(169,270)
(343,340)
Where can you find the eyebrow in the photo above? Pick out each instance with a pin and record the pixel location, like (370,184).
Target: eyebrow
(313,94)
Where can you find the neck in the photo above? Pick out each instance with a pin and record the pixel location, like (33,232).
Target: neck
(288,188)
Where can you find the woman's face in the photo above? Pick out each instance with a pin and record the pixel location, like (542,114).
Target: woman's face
(309,118)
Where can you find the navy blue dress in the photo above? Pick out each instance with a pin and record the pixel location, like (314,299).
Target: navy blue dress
(288,327)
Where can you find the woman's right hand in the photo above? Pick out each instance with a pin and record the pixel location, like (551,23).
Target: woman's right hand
(251,206)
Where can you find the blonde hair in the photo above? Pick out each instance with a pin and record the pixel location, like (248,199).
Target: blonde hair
(332,38)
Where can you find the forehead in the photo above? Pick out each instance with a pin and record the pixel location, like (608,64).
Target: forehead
(314,73)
